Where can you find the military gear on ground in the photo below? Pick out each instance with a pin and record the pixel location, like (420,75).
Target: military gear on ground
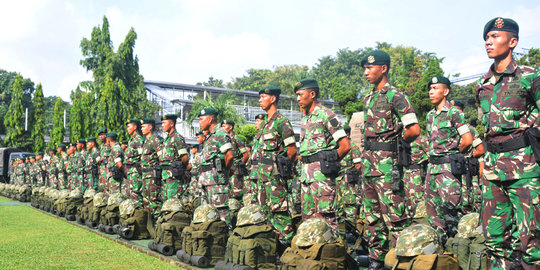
(314,231)
(73,203)
(468,244)
(94,213)
(134,221)
(330,255)
(205,212)
(110,215)
(253,246)
(446,261)
(84,209)
(169,226)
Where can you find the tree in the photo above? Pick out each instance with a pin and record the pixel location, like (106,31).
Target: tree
(222,104)
(39,120)
(76,116)
(420,97)
(7,79)
(13,120)
(212,82)
(532,58)
(57,133)
(247,132)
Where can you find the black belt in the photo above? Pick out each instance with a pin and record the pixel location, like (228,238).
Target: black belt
(266,161)
(147,169)
(439,160)
(166,167)
(205,168)
(508,145)
(310,159)
(132,165)
(381,146)
(414,167)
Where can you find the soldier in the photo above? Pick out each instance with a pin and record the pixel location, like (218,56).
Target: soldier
(415,173)
(124,145)
(133,185)
(80,165)
(276,148)
(69,163)
(250,182)
(41,170)
(104,153)
(151,176)
(389,118)
(509,99)
(52,170)
(173,158)
(347,183)
(239,163)
(92,170)
(11,173)
(323,143)
(33,172)
(61,163)
(115,164)
(216,161)
(195,164)
(448,136)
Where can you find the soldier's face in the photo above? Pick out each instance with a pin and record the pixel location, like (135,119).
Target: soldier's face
(374,73)
(146,129)
(124,146)
(437,93)
(167,125)
(499,44)
(265,101)
(258,123)
(227,127)
(131,128)
(200,139)
(80,146)
(90,145)
(102,137)
(205,122)
(305,98)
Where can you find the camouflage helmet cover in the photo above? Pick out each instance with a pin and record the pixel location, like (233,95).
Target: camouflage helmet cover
(234,204)
(172,205)
(89,193)
(76,193)
(100,199)
(419,239)
(64,193)
(115,198)
(250,215)
(127,207)
(205,212)
(420,210)
(469,226)
(314,231)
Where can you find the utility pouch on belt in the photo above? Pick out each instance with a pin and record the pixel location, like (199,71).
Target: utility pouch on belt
(533,136)
(329,162)
(403,152)
(242,169)
(157,173)
(285,166)
(116,173)
(353,176)
(458,164)
(177,168)
(473,169)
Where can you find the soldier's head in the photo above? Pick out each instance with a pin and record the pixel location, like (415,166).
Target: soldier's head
(102,134)
(61,148)
(52,152)
(228,125)
(268,96)
(347,129)
(259,119)
(147,126)
(194,149)
(124,145)
(81,144)
(439,88)
(501,37)
(376,65)
(39,156)
(307,92)
(168,122)
(91,143)
(32,159)
(133,126)
(111,138)
(208,118)
(458,104)
(200,137)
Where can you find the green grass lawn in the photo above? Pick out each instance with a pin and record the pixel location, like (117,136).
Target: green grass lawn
(30,239)
(4,199)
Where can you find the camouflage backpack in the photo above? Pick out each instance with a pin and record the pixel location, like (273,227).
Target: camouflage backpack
(417,248)
(110,215)
(204,241)
(60,202)
(316,246)
(469,243)
(169,227)
(134,221)
(252,243)
(83,210)
(73,203)
(94,213)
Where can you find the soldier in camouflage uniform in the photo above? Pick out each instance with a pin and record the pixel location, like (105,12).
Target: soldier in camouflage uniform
(250,181)
(415,173)
(92,170)
(194,166)
(173,158)
(448,135)
(40,165)
(102,159)
(149,161)
(52,171)
(217,159)
(115,164)
(70,166)
(61,163)
(275,138)
(348,182)
(322,137)
(239,162)
(132,154)
(33,172)
(388,117)
(80,165)
(509,99)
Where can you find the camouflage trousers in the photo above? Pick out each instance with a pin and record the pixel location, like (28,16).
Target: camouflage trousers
(472,196)
(444,202)
(414,187)
(193,188)
(386,214)
(114,186)
(319,201)
(133,186)
(217,196)
(172,187)
(510,219)
(276,204)
(61,181)
(251,193)
(151,193)
(236,185)
(102,184)
(346,198)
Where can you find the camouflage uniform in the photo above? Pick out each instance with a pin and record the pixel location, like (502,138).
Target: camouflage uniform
(214,184)
(92,168)
(70,172)
(415,173)
(473,195)
(385,210)
(272,140)
(250,181)
(34,174)
(195,173)
(116,155)
(347,192)
(443,189)
(61,166)
(52,172)
(174,147)
(511,191)
(80,167)
(40,167)
(151,186)
(133,185)
(321,130)
(236,180)
(104,153)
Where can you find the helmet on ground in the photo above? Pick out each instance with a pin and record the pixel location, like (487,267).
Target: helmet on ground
(314,231)
(418,239)
(205,212)
(89,193)
(172,205)
(469,226)
(127,207)
(234,204)
(100,199)
(115,198)
(250,215)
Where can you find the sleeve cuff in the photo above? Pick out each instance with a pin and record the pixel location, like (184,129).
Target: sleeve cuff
(182,151)
(357,160)
(409,119)
(289,141)
(243,150)
(339,134)
(224,148)
(116,160)
(476,142)
(463,129)
(538,104)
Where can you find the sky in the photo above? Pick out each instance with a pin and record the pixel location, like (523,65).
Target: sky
(189,41)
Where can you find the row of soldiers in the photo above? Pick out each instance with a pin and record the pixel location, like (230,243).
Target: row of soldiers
(378,182)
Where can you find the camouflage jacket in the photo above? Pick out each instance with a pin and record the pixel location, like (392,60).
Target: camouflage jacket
(91,159)
(386,112)
(151,147)
(81,162)
(134,149)
(174,147)
(62,162)
(321,130)
(239,148)
(508,105)
(354,156)
(217,143)
(445,129)
(104,154)
(117,155)
(419,150)
(70,164)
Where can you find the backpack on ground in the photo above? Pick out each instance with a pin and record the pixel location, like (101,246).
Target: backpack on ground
(469,244)
(169,227)
(134,221)
(110,215)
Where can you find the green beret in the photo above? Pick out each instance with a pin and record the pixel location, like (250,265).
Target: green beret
(458,103)
(270,90)
(150,121)
(208,111)
(200,133)
(307,83)
(195,146)
(261,116)
(102,130)
(52,150)
(91,139)
(439,79)
(133,121)
(62,145)
(81,141)
(74,144)
(170,117)
(347,128)
(111,135)
(376,57)
(40,153)
(124,142)
(32,156)
(501,24)
(228,122)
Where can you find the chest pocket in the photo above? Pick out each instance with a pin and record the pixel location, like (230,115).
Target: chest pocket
(270,141)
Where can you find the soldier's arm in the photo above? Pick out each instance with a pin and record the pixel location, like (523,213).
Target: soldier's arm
(411,132)
(344,147)
(466,142)
(291,151)
(228,156)
(479,149)
(458,121)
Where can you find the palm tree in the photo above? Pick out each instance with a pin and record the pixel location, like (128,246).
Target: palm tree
(222,104)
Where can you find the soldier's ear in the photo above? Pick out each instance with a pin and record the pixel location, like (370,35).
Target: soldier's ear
(446,91)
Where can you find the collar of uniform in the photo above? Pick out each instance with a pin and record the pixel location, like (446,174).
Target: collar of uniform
(317,107)
(510,69)
(445,108)
(383,90)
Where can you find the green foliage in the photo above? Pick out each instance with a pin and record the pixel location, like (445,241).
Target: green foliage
(213,82)
(420,97)
(532,58)
(284,77)
(39,121)
(14,118)
(57,133)
(77,116)
(222,104)
(7,79)
(248,132)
